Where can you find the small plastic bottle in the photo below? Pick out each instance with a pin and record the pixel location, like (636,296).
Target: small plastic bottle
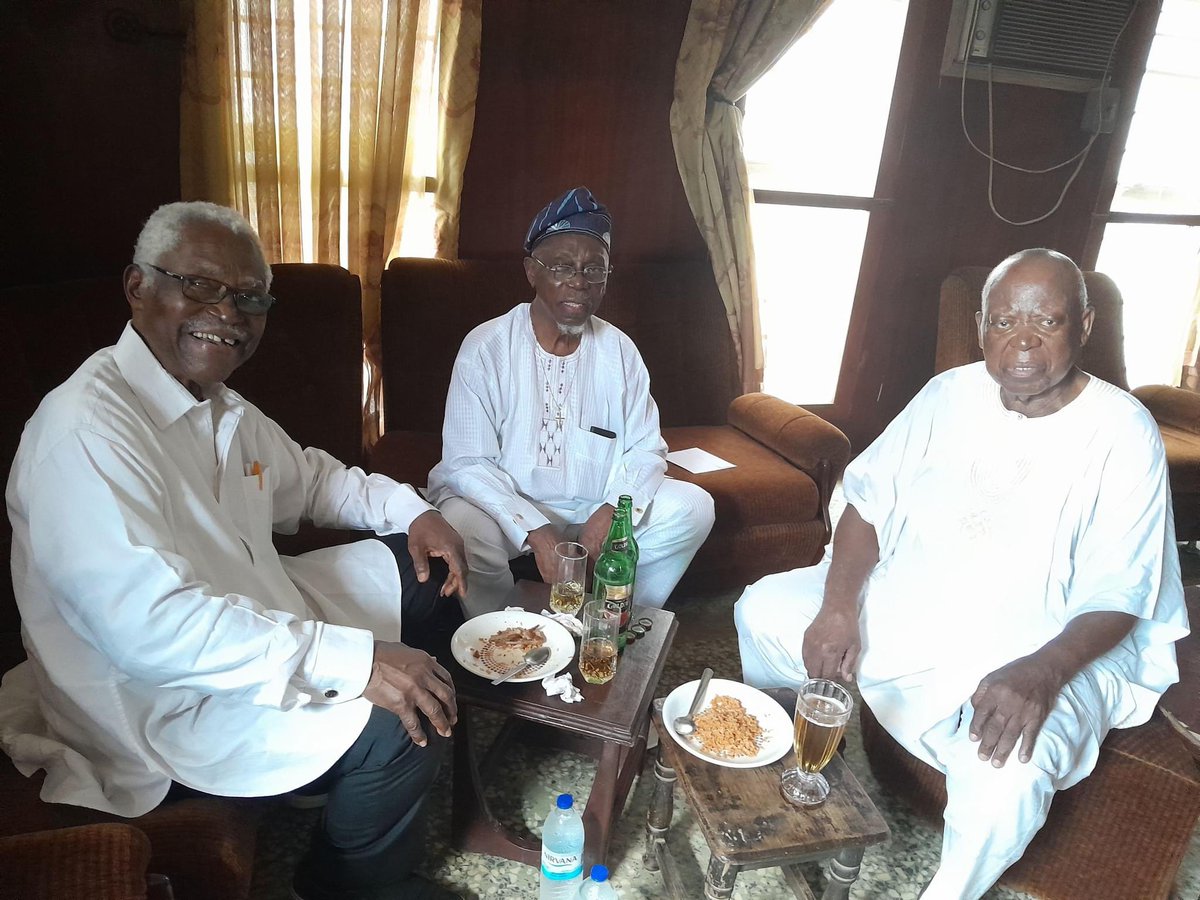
(598,887)
(562,852)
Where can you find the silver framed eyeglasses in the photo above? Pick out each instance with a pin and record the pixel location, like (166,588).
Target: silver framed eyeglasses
(562,273)
(211,291)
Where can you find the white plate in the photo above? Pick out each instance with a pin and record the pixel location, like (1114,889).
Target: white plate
(772,718)
(475,631)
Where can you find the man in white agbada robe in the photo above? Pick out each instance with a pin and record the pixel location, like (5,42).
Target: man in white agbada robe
(549,420)
(1005,573)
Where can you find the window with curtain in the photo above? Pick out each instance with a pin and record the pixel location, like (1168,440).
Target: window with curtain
(1151,244)
(813,169)
(339,127)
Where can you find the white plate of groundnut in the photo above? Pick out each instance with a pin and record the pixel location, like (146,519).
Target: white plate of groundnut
(736,726)
(491,644)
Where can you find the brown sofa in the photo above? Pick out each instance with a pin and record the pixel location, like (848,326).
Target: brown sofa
(772,510)
(307,376)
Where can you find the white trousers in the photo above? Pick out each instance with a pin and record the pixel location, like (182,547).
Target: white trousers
(671,530)
(992,813)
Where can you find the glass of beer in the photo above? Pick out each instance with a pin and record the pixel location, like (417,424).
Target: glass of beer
(566,593)
(822,711)
(598,647)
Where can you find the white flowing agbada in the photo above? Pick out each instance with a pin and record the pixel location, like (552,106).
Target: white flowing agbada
(494,412)
(167,638)
(995,530)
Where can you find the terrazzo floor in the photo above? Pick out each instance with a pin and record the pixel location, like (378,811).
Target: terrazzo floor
(532,777)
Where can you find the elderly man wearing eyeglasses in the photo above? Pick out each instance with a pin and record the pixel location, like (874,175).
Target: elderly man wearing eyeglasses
(549,420)
(172,650)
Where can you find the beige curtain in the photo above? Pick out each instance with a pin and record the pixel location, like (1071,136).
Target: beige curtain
(328,123)
(727,46)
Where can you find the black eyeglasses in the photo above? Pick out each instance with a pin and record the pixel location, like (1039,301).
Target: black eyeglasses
(211,291)
(563,274)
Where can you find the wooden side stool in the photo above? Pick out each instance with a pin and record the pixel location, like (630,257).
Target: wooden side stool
(748,825)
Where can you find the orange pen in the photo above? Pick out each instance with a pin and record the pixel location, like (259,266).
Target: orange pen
(256,469)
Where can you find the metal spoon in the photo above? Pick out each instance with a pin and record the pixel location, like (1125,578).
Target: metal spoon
(685,725)
(533,659)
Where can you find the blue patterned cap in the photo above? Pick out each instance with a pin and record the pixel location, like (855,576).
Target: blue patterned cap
(575,211)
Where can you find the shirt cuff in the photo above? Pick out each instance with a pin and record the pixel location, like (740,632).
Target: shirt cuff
(404,505)
(640,502)
(516,520)
(338,663)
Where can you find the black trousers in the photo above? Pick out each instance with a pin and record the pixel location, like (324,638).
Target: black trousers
(372,833)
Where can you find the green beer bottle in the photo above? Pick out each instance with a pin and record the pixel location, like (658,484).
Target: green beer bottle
(625,507)
(615,569)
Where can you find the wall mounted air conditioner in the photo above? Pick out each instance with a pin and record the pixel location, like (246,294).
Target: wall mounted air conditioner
(1062,44)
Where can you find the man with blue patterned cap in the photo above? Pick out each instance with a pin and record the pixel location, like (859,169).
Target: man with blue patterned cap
(549,419)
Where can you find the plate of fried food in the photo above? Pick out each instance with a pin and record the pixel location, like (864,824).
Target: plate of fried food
(736,726)
(491,644)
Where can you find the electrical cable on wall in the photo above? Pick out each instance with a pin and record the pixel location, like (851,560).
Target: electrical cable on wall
(989,154)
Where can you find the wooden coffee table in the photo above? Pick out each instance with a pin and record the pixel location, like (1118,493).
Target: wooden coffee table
(611,723)
(748,825)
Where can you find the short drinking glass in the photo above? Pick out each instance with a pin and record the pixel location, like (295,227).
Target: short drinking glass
(822,711)
(566,594)
(598,647)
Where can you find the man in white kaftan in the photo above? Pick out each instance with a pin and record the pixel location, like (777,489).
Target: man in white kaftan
(1004,528)
(170,647)
(549,420)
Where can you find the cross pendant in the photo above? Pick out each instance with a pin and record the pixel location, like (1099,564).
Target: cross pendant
(558,419)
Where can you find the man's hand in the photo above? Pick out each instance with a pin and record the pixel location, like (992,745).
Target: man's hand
(541,542)
(405,680)
(431,535)
(1013,702)
(832,643)
(594,531)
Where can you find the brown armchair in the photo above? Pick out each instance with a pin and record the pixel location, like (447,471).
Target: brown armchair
(1122,831)
(1177,411)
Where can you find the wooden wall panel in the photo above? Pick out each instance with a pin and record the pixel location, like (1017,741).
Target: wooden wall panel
(91,134)
(578,93)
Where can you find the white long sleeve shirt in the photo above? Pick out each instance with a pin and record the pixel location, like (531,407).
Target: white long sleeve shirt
(493,421)
(167,639)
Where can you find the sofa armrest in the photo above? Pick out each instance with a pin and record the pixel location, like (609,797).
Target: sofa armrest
(89,862)
(801,437)
(1172,406)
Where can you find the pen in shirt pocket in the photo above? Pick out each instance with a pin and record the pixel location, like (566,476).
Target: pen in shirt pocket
(257,469)
(603,432)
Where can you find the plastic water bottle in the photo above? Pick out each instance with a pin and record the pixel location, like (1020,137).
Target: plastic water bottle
(598,887)
(562,852)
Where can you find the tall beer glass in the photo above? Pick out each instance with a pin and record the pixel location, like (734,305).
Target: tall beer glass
(566,593)
(822,711)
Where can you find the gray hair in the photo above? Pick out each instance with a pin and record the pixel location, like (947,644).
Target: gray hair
(1070,272)
(163,231)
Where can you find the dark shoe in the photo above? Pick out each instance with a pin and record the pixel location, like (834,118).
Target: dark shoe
(413,888)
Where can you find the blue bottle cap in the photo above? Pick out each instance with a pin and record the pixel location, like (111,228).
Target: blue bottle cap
(599,873)
(565,801)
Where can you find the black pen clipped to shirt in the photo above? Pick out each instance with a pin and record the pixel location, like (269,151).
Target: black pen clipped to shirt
(603,432)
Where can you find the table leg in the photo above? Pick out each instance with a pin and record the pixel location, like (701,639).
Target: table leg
(473,826)
(662,806)
(843,870)
(719,881)
(599,813)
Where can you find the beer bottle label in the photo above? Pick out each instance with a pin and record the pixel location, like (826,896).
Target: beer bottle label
(617,591)
(620,545)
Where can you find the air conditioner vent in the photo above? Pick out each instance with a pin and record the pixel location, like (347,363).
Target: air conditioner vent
(1061,44)
(1062,36)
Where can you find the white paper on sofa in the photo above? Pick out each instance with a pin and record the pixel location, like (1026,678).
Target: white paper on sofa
(698,461)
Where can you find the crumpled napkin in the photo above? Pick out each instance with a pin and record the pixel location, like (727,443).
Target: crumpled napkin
(566,620)
(556,685)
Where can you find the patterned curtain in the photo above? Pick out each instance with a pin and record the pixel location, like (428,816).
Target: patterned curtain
(727,46)
(331,124)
